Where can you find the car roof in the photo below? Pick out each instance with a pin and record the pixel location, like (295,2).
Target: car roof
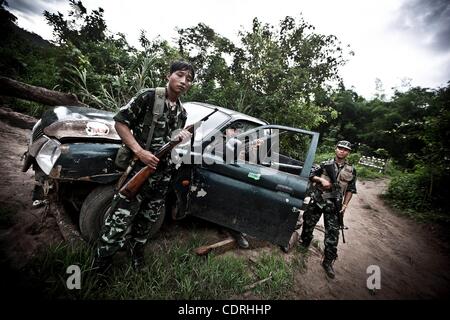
(235,115)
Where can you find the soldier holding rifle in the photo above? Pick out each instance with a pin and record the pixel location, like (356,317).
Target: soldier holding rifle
(334,184)
(144,131)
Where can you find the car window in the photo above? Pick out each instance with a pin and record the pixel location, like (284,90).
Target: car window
(195,112)
(243,125)
(225,136)
(284,151)
(238,127)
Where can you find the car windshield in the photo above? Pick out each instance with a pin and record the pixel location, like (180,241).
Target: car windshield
(196,111)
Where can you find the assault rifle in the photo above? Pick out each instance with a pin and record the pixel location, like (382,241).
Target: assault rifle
(132,187)
(337,197)
(338,207)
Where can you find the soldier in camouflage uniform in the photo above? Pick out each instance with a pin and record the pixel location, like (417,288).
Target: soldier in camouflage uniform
(322,202)
(132,220)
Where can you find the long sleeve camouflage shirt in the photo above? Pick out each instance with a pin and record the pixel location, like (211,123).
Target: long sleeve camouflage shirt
(134,113)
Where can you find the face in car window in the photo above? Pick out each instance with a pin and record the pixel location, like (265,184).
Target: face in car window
(232,132)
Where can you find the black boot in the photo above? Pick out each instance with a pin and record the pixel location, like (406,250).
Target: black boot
(138,257)
(240,239)
(304,243)
(242,242)
(327,264)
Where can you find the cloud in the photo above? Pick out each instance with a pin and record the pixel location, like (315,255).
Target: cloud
(33,8)
(428,20)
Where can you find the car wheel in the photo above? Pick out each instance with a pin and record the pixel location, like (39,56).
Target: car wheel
(95,209)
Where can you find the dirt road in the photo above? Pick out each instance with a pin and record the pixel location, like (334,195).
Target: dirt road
(413,262)
(26,229)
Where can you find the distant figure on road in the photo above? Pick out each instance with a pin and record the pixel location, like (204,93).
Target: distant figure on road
(334,184)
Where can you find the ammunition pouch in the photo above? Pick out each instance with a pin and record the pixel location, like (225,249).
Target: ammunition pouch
(123,157)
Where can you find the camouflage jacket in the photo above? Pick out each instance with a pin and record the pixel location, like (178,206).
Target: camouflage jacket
(133,115)
(345,176)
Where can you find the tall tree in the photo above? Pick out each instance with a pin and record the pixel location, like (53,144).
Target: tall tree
(281,74)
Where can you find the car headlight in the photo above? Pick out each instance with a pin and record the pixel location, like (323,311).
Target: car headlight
(48,155)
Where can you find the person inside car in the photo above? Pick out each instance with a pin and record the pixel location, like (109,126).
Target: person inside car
(245,152)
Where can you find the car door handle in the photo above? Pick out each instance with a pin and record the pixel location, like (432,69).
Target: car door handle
(283,188)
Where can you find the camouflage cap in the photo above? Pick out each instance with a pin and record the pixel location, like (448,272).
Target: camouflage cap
(344,144)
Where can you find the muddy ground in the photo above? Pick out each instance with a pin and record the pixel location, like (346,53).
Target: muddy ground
(412,258)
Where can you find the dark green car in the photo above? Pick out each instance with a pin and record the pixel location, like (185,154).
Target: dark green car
(253,180)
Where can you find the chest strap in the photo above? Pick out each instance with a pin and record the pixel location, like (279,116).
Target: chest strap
(157,111)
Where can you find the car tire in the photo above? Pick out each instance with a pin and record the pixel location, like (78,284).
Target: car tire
(95,209)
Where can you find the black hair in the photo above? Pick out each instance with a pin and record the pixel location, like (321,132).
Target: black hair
(236,125)
(182,65)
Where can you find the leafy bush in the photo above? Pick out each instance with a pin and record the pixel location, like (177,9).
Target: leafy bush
(364,172)
(410,189)
(415,194)
(353,158)
(30,108)
(323,157)
(115,90)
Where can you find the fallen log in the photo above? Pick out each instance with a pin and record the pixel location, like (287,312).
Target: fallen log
(68,229)
(16,119)
(203,250)
(17,89)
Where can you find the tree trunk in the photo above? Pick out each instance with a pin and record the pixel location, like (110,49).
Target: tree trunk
(17,119)
(17,89)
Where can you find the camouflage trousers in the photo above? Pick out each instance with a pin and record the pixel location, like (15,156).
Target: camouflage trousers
(310,218)
(132,220)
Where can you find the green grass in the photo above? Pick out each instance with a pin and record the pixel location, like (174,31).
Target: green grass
(173,271)
(47,271)
(424,215)
(280,273)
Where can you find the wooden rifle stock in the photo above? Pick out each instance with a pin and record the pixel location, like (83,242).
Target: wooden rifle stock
(132,187)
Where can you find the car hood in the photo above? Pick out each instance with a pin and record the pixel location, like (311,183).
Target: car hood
(63,113)
(76,122)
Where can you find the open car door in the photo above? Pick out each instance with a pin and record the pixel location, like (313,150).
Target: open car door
(260,190)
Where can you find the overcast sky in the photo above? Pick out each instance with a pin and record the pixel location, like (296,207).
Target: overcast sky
(392,39)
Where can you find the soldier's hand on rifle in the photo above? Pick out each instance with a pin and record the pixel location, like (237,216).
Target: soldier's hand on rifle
(148,158)
(184,135)
(325,183)
(344,206)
